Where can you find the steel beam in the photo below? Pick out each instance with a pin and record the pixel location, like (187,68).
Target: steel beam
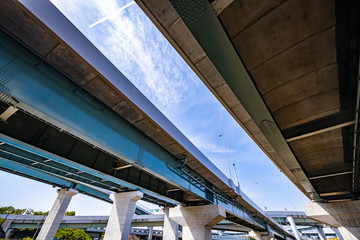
(43,176)
(19,150)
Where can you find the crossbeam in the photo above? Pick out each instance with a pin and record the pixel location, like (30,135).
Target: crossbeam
(321,125)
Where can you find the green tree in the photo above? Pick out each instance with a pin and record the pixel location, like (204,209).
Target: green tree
(40,213)
(11,210)
(70,213)
(16,211)
(71,234)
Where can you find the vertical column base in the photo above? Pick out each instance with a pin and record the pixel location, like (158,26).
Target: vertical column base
(122,211)
(338,234)
(197,221)
(293,227)
(56,214)
(150,230)
(171,228)
(321,233)
(9,233)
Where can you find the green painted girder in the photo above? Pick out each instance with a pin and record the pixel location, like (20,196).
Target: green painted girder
(200,19)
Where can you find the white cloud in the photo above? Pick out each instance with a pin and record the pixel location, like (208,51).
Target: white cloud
(128,39)
(111,16)
(206,144)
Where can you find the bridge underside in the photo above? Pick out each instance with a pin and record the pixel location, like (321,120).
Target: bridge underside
(287,72)
(73,123)
(304,65)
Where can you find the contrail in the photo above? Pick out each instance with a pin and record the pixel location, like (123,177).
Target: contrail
(111,16)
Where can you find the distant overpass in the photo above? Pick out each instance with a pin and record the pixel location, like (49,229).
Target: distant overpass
(36,221)
(98,223)
(71,119)
(300,223)
(300,218)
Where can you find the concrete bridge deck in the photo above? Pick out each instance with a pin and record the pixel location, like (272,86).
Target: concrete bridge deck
(80,123)
(288,72)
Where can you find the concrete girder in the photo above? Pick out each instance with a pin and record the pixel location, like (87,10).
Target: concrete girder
(343,215)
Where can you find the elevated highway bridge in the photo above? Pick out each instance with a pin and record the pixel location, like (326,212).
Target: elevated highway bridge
(71,119)
(288,72)
(97,224)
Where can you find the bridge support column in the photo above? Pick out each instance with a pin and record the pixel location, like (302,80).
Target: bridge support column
(343,215)
(9,233)
(56,214)
(122,211)
(197,221)
(150,230)
(6,227)
(338,234)
(293,227)
(171,228)
(320,232)
(261,235)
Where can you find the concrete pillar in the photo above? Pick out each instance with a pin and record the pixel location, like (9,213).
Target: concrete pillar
(6,227)
(122,211)
(9,233)
(293,227)
(320,232)
(338,234)
(197,221)
(261,235)
(171,228)
(150,232)
(349,233)
(343,215)
(56,214)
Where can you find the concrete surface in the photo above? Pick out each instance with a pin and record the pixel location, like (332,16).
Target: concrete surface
(197,221)
(56,214)
(343,215)
(122,211)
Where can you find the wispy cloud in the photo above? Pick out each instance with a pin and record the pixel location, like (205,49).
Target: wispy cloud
(130,41)
(206,144)
(111,16)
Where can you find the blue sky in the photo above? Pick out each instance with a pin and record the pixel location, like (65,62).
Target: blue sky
(129,39)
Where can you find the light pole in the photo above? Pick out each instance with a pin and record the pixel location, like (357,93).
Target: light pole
(236,178)
(227,159)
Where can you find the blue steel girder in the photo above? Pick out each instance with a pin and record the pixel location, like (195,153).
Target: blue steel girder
(35,174)
(26,155)
(47,94)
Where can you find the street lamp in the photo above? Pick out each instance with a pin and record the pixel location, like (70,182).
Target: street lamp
(227,159)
